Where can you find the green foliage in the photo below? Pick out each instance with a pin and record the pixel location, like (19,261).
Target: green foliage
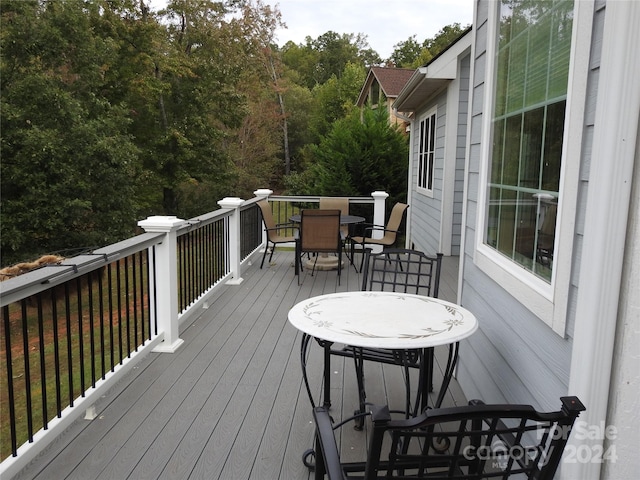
(405,53)
(300,107)
(357,157)
(327,56)
(67,158)
(336,98)
(411,54)
(112,112)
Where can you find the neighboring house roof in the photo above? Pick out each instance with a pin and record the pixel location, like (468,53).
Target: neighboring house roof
(391,80)
(434,76)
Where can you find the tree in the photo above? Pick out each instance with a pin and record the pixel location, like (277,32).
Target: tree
(326,56)
(406,53)
(411,54)
(358,156)
(445,36)
(259,23)
(301,108)
(68,162)
(336,98)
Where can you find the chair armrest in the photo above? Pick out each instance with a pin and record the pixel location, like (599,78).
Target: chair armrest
(326,446)
(283,226)
(378,228)
(361,229)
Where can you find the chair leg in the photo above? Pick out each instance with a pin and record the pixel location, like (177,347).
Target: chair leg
(362,396)
(362,258)
(264,255)
(353,250)
(297,262)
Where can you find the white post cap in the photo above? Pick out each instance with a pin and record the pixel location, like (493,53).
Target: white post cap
(230,202)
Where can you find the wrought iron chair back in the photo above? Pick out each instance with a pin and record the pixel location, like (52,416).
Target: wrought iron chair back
(407,271)
(472,442)
(402,270)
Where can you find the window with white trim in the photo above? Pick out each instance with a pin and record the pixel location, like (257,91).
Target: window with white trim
(427,150)
(531,78)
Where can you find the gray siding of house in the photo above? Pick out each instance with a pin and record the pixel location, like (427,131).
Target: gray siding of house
(461,149)
(427,224)
(514,356)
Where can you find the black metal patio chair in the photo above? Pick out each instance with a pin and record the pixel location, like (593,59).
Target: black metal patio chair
(471,442)
(407,271)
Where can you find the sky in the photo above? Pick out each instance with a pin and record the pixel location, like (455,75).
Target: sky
(384,22)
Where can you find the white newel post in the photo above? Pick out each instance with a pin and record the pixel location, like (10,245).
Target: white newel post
(263,194)
(379,203)
(166,278)
(234,237)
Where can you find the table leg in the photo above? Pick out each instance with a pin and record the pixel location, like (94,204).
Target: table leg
(327,374)
(304,346)
(425,383)
(448,372)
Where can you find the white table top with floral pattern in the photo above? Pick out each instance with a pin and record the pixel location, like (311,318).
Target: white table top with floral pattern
(383,320)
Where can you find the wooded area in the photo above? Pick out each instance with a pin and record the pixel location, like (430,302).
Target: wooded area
(112,112)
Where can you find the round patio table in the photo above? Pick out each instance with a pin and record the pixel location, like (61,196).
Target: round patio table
(387,320)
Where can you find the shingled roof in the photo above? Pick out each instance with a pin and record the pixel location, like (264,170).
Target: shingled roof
(391,81)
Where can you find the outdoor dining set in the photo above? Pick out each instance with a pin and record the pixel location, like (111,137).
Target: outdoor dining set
(397,319)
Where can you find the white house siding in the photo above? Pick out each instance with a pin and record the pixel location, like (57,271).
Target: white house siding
(514,357)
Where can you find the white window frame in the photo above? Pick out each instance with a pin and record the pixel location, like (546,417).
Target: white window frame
(548,301)
(425,190)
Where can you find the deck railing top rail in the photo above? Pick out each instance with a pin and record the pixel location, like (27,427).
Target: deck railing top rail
(49,276)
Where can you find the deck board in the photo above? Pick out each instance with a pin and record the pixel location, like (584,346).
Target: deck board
(230,403)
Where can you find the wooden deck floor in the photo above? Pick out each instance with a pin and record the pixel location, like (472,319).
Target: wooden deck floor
(230,403)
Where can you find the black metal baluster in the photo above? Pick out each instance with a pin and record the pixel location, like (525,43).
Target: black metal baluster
(154,282)
(103,363)
(119,304)
(192,270)
(181,272)
(92,342)
(80,336)
(56,351)
(43,370)
(135,301)
(141,261)
(27,369)
(112,350)
(10,391)
(198,266)
(127,305)
(69,341)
